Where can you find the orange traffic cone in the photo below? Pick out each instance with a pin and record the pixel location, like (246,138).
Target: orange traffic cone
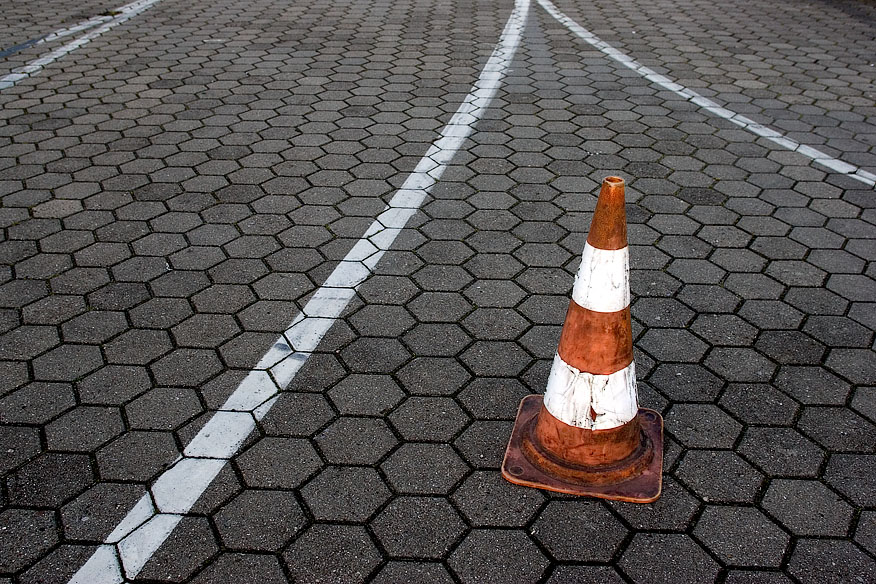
(588,435)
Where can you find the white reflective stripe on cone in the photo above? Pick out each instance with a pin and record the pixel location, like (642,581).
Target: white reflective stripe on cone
(571,393)
(603,280)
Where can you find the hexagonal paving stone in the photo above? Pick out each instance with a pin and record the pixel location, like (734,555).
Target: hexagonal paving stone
(702,426)
(781,452)
(739,364)
(494,293)
(664,557)
(138,347)
(719,476)
(673,511)
(864,401)
(838,429)
(856,365)
(494,324)
(381,320)
(341,493)
(738,576)
(865,534)
(826,560)
(486,499)
(741,536)
(387,289)
(724,329)
(673,345)
(275,463)
(242,567)
(95,326)
(260,520)
(483,443)
(565,574)
(418,527)
(192,534)
(439,307)
(662,312)
(186,367)
(68,362)
(759,403)
(442,277)
(475,560)
(375,355)
(351,440)
(685,382)
(114,385)
(597,534)
(495,359)
(205,330)
(807,508)
(770,314)
(160,313)
(812,385)
(163,409)
(426,469)
(36,403)
(790,347)
(432,572)
(17,445)
(428,419)
(360,394)
(49,480)
(493,398)
(84,429)
(25,535)
(297,414)
(332,553)
(433,376)
(95,513)
(852,475)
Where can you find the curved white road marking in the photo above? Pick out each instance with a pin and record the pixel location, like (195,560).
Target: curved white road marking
(817,156)
(153,518)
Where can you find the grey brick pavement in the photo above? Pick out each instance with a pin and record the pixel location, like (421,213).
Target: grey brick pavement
(174,191)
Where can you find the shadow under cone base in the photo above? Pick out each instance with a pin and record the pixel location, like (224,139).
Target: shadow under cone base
(522,467)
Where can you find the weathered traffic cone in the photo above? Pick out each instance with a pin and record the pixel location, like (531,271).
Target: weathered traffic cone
(588,435)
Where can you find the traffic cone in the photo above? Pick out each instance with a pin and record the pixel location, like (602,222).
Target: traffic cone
(588,436)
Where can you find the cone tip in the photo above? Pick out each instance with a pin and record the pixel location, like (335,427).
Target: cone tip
(608,229)
(613,184)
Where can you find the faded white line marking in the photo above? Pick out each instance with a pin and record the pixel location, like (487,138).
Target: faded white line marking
(148,525)
(778,138)
(125,13)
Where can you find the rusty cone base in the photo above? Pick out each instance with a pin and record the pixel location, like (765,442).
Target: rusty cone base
(623,463)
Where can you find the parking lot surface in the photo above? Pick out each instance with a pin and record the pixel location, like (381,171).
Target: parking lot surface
(203,380)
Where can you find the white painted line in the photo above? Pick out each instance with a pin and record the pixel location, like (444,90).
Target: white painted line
(151,521)
(707,104)
(137,548)
(102,567)
(58,34)
(603,280)
(85,25)
(125,13)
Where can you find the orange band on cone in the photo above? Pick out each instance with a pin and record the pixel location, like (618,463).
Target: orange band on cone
(597,342)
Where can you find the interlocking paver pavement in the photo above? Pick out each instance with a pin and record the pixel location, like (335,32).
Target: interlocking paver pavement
(174,191)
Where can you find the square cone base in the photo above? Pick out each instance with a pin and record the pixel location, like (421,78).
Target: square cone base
(643,488)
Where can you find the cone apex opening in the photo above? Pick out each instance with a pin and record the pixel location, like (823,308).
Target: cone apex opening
(608,228)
